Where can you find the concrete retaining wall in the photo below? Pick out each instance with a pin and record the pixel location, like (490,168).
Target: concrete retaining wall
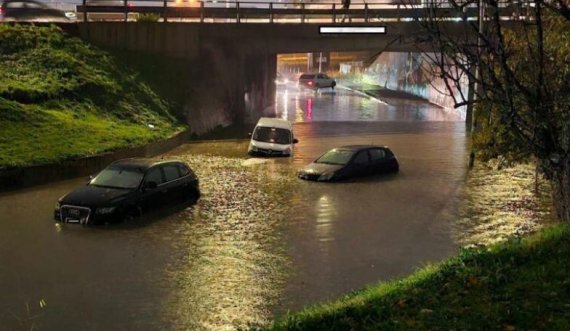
(16,178)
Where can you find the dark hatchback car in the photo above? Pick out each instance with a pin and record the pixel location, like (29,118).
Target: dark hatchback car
(350,162)
(23,10)
(126,189)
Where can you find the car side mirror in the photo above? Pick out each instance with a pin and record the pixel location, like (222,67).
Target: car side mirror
(149,186)
(295,140)
(90,178)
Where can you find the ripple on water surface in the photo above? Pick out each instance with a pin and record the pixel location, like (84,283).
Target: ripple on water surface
(232,269)
(500,204)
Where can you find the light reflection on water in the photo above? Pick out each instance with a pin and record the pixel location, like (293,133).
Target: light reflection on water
(500,204)
(231,272)
(326,214)
(344,105)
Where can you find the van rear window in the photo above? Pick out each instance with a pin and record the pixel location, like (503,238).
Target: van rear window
(307,76)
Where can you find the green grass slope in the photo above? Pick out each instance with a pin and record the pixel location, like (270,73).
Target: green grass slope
(61,97)
(521,285)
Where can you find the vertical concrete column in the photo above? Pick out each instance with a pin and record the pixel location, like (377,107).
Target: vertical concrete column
(240,85)
(260,85)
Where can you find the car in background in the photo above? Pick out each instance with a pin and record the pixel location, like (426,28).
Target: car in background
(126,189)
(350,162)
(272,136)
(31,10)
(316,81)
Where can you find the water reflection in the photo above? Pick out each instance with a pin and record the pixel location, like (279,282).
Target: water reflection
(325,212)
(309,112)
(500,204)
(345,105)
(232,269)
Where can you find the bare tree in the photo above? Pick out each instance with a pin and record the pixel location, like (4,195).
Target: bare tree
(516,58)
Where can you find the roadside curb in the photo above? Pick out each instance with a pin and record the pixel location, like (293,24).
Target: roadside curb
(361,93)
(14,178)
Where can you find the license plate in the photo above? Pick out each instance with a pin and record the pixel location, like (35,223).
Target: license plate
(74,212)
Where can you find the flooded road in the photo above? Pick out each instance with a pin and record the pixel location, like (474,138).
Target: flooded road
(258,243)
(342,104)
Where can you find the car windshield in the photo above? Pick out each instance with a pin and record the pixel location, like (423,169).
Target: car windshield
(336,156)
(118,177)
(272,135)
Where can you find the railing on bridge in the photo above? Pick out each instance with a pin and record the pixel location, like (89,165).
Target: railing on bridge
(283,12)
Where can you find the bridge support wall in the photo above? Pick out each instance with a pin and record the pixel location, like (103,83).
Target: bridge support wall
(234,83)
(243,83)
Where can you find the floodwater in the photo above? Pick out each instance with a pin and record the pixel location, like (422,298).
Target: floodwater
(259,242)
(341,104)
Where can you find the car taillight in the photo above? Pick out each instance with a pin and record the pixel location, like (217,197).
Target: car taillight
(310,82)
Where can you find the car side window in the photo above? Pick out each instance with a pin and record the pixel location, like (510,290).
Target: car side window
(154,175)
(320,76)
(326,77)
(377,154)
(361,158)
(14,5)
(183,170)
(170,172)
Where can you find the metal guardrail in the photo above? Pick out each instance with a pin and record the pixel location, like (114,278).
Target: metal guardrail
(271,12)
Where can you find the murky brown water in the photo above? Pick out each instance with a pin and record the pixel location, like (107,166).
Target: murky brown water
(499,204)
(258,243)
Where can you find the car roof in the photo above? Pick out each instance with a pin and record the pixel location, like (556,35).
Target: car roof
(274,123)
(26,1)
(143,163)
(360,147)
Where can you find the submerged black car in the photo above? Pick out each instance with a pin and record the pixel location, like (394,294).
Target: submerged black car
(126,189)
(351,161)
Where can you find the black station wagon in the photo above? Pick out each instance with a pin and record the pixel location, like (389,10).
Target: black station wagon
(126,189)
(351,161)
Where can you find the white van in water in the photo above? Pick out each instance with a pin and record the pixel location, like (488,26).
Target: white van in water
(272,136)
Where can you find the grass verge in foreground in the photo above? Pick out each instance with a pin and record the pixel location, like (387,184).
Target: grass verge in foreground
(61,98)
(522,284)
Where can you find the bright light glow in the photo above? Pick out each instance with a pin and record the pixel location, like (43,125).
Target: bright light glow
(285,113)
(352,29)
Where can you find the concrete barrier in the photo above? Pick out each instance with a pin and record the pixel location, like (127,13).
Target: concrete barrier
(20,177)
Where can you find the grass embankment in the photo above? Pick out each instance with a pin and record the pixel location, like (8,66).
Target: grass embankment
(61,97)
(522,284)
